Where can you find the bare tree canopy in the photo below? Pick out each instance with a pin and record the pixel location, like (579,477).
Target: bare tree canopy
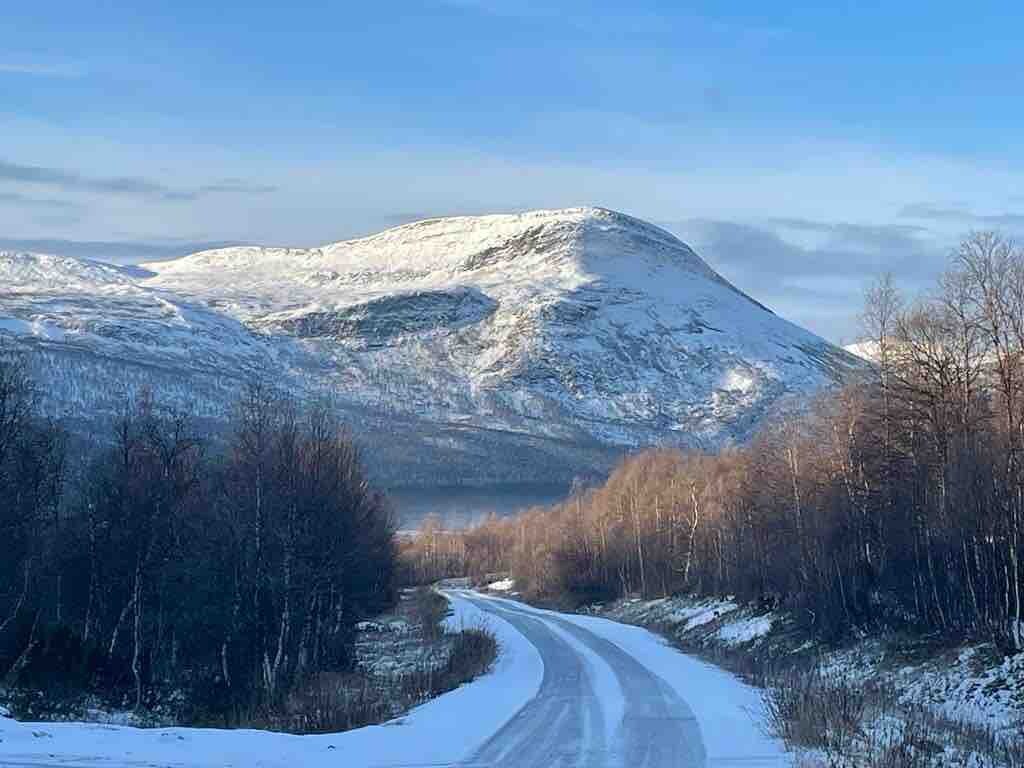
(163,562)
(895,501)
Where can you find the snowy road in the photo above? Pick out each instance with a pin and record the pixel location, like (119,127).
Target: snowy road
(565,723)
(566,690)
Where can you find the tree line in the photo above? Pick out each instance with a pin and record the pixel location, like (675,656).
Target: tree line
(156,559)
(895,500)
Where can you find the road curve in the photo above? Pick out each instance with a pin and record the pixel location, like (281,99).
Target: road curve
(565,724)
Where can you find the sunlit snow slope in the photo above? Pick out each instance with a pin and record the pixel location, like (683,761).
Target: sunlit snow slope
(527,347)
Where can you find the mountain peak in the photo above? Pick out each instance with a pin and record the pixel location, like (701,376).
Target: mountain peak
(488,229)
(566,246)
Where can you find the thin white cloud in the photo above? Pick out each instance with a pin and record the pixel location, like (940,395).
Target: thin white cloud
(133,186)
(1013,221)
(505,8)
(64,70)
(27,201)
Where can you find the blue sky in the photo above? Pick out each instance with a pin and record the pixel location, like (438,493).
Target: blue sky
(801,147)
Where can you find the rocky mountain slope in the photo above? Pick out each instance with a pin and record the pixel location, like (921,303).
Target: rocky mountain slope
(865,350)
(529,347)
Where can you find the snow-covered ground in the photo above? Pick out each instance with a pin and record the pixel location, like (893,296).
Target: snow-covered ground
(453,728)
(501,585)
(973,683)
(438,732)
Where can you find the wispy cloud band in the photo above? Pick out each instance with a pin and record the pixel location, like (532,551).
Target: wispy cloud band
(16,198)
(41,69)
(929,212)
(131,186)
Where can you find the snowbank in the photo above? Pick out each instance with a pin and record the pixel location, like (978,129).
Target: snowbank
(682,614)
(972,683)
(746,629)
(442,731)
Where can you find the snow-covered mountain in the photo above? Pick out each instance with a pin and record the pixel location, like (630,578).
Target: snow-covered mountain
(865,350)
(529,347)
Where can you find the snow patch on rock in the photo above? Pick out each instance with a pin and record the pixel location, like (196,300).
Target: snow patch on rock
(746,629)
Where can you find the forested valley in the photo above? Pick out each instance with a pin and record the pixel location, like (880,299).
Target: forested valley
(895,501)
(161,565)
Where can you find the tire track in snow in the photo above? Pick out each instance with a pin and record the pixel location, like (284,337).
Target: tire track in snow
(658,729)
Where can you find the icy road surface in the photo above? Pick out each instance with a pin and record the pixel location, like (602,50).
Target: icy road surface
(567,722)
(566,691)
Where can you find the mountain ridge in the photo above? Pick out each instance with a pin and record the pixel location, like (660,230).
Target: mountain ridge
(537,345)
